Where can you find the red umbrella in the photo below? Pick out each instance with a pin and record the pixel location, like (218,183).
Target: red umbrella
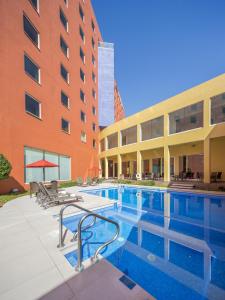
(41,164)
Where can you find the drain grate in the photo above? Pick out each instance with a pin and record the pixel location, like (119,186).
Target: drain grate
(127,282)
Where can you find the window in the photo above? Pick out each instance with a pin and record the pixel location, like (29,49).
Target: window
(66,2)
(218,109)
(93,126)
(31,68)
(32,106)
(93,94)
(93,77)
(83,137)
(187,118)
(64,73)
(82,75)
(129,135)
(64,47)
(63,20)
(64,99)
(94,143)
(30,30)
(82,56)
(112,140)
(93,60)
(82,116)
(92,25)
(81,13)
(35,4)
(65,125)
(82,96)
(152,129)
(93,43)
(93,110)
(61,172)
(82,34)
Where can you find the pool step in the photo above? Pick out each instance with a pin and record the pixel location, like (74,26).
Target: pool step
(183,186)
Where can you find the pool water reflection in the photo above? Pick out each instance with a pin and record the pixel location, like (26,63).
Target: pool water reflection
(171,243)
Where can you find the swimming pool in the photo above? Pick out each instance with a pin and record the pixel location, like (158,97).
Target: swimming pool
(171,243)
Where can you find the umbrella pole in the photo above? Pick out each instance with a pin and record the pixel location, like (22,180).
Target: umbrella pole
(44,174)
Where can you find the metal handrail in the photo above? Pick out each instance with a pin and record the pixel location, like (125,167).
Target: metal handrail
(62,236)
(79,266)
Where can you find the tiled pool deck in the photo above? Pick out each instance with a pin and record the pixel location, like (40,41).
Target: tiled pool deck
(32,267)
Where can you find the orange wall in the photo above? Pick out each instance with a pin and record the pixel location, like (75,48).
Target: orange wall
(19,129)
(119,112)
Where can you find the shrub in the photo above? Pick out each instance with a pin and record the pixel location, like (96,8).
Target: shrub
(145,182)
(5,167)
(67,184)
(125,181)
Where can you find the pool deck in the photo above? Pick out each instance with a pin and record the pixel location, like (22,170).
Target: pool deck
(32,267)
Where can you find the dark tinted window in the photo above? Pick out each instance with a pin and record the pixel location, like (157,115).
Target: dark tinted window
(82,116)
(93,126)
(64,99)
(64,73)
(32,106)
(63,19)
(94,94)
(93,59)
(30,30)
(64,46)
(93,110)
(34,3)
(82,56)
(92,25)
(218,109)
(82,76)
(82,96)
(31,68)
(186,118)
(93,77)
(82,34)
(65,125)
(93,43)
(81,13)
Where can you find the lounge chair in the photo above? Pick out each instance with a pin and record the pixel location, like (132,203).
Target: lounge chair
(55,189)
(51,199)
(219,176)
(34,188)
(213,176)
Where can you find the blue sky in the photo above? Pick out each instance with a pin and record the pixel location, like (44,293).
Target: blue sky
(162,47)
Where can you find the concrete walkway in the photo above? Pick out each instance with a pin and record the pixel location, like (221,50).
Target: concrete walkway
(32,267)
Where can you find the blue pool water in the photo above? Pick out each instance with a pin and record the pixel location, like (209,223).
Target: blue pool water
(171,243)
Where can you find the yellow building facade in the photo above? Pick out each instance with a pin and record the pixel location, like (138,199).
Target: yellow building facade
(185,133)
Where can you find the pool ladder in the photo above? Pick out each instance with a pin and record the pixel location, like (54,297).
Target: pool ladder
(78,233)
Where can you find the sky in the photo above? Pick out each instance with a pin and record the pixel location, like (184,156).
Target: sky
(162,47)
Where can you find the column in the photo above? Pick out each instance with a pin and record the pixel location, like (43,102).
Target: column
(166,163)
(106,168)
(119,166)
(139,133)
(176,165)
(207,164)
(150,165)
(100,168)
(139,164)
(119,139)
(106,143)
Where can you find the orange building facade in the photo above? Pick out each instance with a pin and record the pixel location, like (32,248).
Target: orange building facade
(119,112)
(49,88)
